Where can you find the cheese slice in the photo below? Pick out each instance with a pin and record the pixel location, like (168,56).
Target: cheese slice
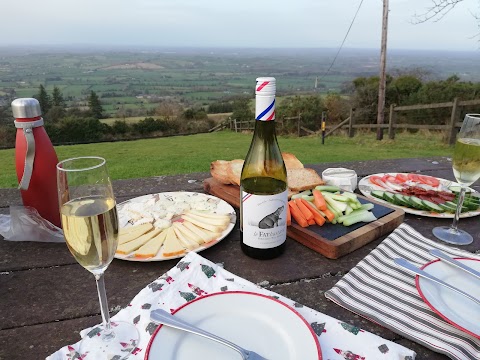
(151,248)
(203,224)
(216,221)
(186,242)
(125,236)
(208,214)
(206,235)
(133,245)
(172,246)
(188,233)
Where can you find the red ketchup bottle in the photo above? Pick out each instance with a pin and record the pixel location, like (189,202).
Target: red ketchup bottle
(36,160)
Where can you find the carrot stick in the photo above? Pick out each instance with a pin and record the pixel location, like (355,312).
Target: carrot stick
(319,219)
(289,216)
(330,215)
(311,221)
(319,201)
(307,214)
(297,214)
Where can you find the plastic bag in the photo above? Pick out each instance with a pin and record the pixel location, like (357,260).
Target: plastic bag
(25,224)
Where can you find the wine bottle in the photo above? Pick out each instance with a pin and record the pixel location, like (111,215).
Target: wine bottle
(263,182)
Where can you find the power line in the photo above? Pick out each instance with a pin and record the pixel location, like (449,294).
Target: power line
(343,42)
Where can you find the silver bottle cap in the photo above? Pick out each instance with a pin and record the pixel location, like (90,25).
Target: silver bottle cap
(26,108)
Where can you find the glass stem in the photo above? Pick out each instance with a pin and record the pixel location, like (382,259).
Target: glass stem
(108,333)
(461,197)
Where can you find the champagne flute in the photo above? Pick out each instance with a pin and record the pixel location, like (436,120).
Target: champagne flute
(90,225)
(466,169)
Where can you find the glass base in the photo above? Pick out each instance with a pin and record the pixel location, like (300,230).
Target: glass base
(452,236)
(118,344)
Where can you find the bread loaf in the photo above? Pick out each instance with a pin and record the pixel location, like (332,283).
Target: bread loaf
(303,179)
(234,171)
(299,178)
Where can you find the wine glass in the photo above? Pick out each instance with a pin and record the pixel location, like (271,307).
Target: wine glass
(90,225)
(466,169)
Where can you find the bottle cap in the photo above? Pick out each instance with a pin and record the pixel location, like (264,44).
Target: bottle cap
(265,86)
(25,108)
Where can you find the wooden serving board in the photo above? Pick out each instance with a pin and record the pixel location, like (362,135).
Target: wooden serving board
(332,241)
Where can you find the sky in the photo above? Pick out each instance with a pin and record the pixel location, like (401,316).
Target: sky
(241,23)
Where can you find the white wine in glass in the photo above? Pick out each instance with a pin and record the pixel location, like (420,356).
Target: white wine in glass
(90,225)
(466,169)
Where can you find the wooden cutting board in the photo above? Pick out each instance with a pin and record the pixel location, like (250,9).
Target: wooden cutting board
(332,241)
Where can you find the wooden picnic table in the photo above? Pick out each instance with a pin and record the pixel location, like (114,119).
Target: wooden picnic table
(46,298)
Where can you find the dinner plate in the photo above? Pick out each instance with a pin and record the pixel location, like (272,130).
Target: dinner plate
(366,187)
(456,309)
(256,322)
(199,201)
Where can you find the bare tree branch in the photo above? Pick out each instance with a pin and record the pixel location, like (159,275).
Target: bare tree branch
(437,11)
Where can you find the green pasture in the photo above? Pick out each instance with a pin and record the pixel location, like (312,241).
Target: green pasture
(188,154)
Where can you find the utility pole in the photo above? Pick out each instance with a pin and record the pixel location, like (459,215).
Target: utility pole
(383,66)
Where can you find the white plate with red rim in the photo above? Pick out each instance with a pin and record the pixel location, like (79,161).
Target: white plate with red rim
(146,201)
(254,321)
(365,186)
(454,308)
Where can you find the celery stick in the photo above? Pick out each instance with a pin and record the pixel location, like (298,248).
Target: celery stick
(308,197)
(352,214)
(339,207)
(368,206)
(351,196)
(349,210)
(329,188)
(366,216)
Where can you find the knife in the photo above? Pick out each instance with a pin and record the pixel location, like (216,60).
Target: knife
(451,261)
(412,268)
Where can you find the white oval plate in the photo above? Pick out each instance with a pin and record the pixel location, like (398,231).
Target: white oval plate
(456,309)
(366,187)
(253,321)
(222,208)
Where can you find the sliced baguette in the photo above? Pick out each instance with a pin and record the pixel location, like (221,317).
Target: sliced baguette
(172,246)
(151,248)
(234,171)
(133,245)
(303,179)
(219,171)
(133,232)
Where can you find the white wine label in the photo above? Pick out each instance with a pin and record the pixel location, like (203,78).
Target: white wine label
(264,219)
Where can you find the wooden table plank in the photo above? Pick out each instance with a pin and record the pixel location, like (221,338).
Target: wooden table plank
(46,298)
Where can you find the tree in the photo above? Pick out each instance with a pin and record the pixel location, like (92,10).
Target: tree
(44,99)
(57,98)
(242,110)
(437,11)
(95,106)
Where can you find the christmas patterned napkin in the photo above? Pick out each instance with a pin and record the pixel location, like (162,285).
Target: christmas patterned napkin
(378,280)
(195,276)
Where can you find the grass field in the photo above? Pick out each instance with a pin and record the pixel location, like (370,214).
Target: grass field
(193,153)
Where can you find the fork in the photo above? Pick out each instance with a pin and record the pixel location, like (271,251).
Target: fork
(162,317)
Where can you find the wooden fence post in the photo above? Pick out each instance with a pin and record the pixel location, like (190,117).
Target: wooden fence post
(453,120)
(391,122)
(298,125)
(351,130)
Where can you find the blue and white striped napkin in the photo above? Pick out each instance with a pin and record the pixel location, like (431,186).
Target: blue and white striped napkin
(377,290)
